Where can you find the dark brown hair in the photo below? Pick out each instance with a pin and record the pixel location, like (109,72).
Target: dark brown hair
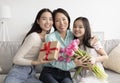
(60,10)
(87,35)
(35,26)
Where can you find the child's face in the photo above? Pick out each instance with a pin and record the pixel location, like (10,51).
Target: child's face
(78,29)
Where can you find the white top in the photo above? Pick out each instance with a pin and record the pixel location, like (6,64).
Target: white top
(93,52)
(29,50)
(87,76)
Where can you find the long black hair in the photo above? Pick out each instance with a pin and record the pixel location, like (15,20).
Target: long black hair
(60,10)
(35,26)
(87,35)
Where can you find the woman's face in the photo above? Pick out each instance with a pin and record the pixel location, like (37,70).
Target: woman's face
(61,22)
(78,29)
(45,21)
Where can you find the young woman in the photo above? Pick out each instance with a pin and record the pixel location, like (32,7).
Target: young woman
(82,31)
(23,70)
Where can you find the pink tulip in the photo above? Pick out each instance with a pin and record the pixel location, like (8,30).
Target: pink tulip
(62,50)
(68,59)
(69,52)
(74,44)
(61,58)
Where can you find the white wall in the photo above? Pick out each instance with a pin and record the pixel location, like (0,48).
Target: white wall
(104,15)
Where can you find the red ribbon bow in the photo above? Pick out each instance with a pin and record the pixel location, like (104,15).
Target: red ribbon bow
(48,49)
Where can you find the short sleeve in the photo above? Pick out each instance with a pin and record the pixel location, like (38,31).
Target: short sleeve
(97,45)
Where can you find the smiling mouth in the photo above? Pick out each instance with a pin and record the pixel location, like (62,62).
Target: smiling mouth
(77,32)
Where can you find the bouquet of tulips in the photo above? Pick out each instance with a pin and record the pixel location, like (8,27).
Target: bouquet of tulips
(72,50)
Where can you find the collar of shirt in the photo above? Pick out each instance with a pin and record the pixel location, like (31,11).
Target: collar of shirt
(67,40)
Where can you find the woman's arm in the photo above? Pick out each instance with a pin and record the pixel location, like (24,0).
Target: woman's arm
(103,56)
(19,58)
(100,50)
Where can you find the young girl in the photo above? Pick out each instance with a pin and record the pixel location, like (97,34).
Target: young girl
(82,31)
(23,70)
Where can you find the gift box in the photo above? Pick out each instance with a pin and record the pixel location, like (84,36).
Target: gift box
(49,50)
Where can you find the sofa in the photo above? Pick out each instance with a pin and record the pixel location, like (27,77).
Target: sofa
(9,48)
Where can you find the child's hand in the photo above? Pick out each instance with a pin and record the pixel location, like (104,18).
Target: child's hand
(81,61)
(92,60)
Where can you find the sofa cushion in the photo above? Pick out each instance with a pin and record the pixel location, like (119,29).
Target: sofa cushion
(113,77)
(2,77)
(114,60)
(7,51)
(110,44)
(0,69)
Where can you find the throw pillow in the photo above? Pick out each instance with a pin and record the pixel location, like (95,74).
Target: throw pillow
(113,63)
